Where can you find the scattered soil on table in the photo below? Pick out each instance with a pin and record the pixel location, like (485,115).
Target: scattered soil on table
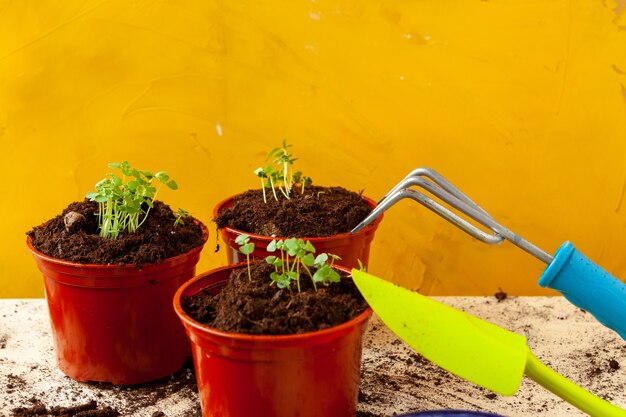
(599,365)
(89,409)
(14,383)
(256,307)
(77,239)
(156,396)
(145,395)
(367,414)
(500,295)
(320,211)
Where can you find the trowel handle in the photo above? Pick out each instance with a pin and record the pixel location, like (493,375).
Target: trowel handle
(570,392)
(587,286)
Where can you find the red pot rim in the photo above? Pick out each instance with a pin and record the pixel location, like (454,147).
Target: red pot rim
(242,337)
(70,264)
(367,229)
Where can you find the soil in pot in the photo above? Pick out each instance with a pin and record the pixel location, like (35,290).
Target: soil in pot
(256,307)
(73,236)
(318,212)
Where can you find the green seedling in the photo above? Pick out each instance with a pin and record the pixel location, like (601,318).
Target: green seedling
(283,159)
(294,256)
(123,200)
(278,174)
(246,247)
(180,215)
(266,174)
(362,267)
(297,255)
(325,272)
(303,180)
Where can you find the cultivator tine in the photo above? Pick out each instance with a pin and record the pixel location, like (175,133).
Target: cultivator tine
(435,177)
(432,182)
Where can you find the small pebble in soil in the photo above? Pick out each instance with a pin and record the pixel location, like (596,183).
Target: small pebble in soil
(73,219)
(614,365)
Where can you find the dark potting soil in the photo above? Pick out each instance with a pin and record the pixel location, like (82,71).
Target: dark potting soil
(73,236)
(89,409)
(318,212)
(256,307)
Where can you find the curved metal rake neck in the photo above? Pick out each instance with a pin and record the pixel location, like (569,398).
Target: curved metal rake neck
(429,180)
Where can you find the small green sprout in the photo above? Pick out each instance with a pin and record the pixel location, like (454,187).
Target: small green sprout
(277,174)
(303,180)
(325,272)
(267,172)
(246,247)
(123,200)
(296,255)
(283,159)
(362,267)
(180,215)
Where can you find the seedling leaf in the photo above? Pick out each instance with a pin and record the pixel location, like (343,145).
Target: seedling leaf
(308,259)
(321,259)
(247,249)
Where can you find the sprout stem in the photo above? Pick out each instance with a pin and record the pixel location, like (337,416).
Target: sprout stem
(308,271)
(263,188)
(248,262)
(273,190)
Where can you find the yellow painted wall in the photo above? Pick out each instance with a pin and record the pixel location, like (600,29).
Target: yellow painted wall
(521,104)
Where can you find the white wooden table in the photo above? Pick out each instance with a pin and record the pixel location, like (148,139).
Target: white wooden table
(394,379)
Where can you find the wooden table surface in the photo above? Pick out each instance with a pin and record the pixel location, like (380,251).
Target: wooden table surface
(394,378)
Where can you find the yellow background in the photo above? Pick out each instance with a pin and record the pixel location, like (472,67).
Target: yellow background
(520,104)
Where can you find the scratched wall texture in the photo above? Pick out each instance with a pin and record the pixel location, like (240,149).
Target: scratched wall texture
(520,104)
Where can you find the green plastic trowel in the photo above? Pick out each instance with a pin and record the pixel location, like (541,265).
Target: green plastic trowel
(469,347)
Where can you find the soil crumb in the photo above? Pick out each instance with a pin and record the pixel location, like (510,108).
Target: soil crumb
(156,240)
(318,212)
(256,307)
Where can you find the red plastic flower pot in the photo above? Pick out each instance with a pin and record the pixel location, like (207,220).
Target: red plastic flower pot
(116,323)
(306,375)
(350,247)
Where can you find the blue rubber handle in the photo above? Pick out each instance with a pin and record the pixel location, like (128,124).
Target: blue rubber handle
(587,286)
